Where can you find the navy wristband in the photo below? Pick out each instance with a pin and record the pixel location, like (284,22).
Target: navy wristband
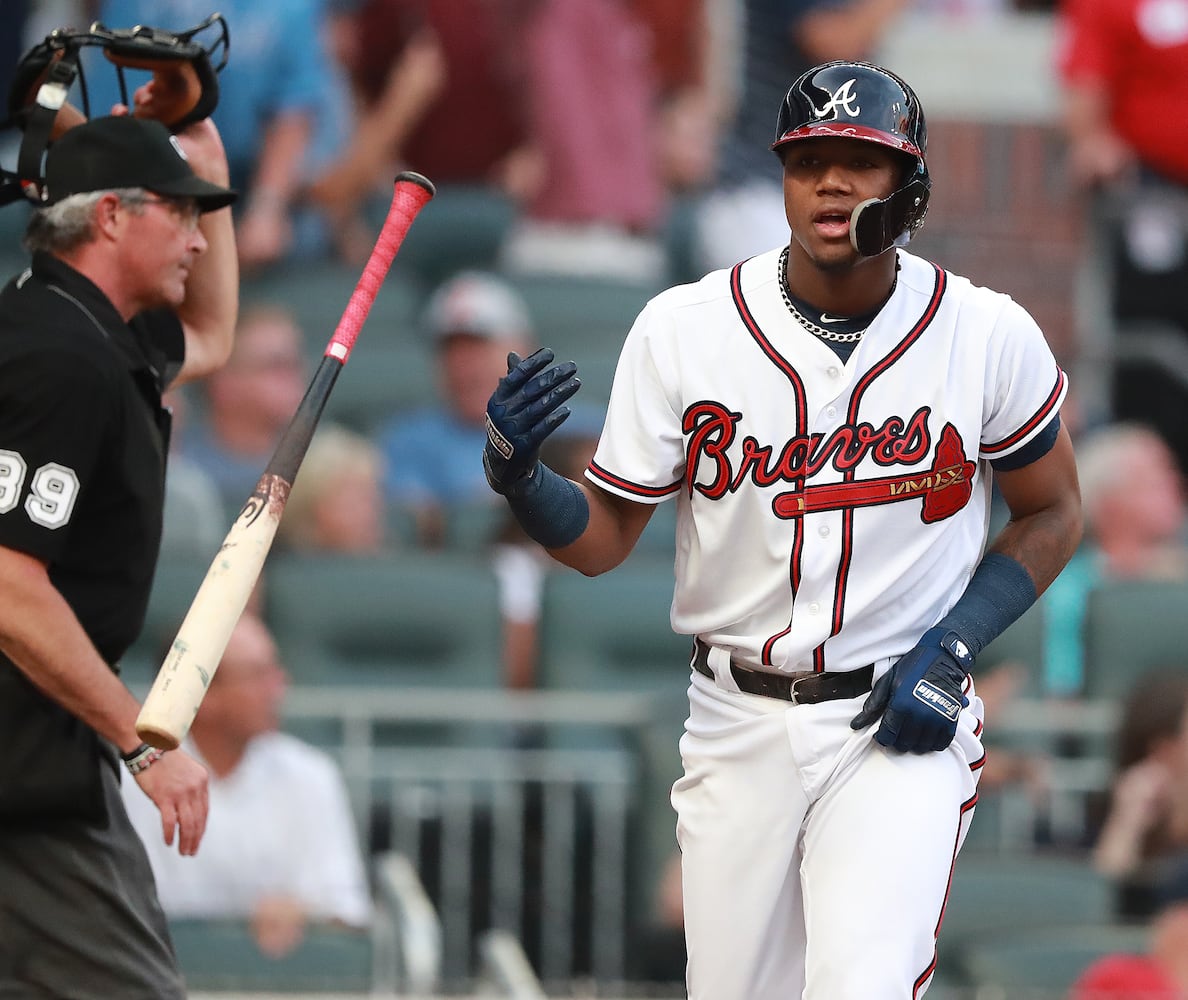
(551,509)
(999,592)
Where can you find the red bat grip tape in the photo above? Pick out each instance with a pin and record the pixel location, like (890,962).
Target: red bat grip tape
(412,192)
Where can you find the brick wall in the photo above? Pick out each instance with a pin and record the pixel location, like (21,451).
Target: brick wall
(1002,214)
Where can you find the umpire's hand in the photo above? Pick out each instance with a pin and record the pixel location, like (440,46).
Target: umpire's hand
(525,408)
(921,696)
(178,786)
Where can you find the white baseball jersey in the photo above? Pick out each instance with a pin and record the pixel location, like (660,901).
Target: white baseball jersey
(829,513)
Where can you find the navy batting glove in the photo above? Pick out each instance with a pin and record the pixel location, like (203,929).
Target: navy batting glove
(920,697)
(525,408)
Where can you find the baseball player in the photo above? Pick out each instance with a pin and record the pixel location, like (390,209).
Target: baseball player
(827,417)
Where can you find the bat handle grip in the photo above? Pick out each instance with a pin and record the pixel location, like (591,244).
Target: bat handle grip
(411,193)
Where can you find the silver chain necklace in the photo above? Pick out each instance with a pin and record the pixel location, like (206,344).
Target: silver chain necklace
(813,328)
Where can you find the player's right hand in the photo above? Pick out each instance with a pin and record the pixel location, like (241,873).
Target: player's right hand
(178,786)
(525,408)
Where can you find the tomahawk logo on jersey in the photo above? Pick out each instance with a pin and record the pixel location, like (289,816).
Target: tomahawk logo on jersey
(758,429)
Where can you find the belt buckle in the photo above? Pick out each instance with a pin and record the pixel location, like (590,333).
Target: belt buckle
(792,699)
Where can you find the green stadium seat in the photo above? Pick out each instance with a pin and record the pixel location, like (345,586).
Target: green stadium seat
(393,372)
(612,632)
(1004,893)
(408,618)
(1022,643)
(583,320)
(13,257)
(221,956)
(176,582)
(462,227)
(317,293)
(1131,627)
(1045,961)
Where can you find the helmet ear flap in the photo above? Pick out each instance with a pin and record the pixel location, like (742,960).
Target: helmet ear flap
(866,228)
(878,224)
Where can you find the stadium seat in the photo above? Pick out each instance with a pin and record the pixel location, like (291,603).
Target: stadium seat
(568,306)
(317,292)
(462,227)
(393,372)
(583,320)
(221,955)
(1045,961)
(409,618)
(472,527)
(1000,893)
(13,258)
(176,582)
(1132,626)
(1021,643)
(659,536)
(612,632)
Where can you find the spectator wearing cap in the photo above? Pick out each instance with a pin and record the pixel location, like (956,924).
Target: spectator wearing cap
(474,319)
(132,290)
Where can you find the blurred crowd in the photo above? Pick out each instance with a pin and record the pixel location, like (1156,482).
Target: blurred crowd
(596,119)
(627,139)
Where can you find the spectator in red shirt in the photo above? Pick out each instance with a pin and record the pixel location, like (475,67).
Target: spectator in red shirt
(439,87)
(1124,64)
(1124,67)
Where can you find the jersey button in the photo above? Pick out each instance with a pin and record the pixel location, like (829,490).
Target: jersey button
(831,411)
(832,371)
(814,608)
(823,531)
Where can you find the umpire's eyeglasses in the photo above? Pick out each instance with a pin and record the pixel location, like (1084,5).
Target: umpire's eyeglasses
(185,210)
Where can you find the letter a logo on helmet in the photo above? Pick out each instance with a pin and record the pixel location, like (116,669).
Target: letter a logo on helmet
(844,98)
(859,100)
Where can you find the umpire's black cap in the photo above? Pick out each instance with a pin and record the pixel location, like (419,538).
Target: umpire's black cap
(119,151)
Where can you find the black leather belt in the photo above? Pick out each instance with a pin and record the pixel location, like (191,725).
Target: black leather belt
(805,688)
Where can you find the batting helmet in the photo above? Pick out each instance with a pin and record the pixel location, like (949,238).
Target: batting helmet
(858,100)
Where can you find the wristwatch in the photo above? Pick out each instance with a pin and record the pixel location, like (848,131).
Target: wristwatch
(142,758)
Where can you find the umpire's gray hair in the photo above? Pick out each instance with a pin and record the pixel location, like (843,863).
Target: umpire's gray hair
(66,225)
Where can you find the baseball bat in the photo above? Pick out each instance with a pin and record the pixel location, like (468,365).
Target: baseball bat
(194,655)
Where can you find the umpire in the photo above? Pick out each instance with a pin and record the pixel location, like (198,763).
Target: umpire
(133,287)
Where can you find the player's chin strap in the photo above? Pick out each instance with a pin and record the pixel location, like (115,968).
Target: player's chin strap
(186,87)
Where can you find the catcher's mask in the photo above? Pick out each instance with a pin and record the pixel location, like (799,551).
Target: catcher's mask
(186,71)
(858,100)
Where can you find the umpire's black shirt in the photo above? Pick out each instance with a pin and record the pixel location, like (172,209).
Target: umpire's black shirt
(83,441)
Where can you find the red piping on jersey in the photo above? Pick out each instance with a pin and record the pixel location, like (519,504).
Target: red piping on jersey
(629,487)
(966,806)
(843,568)
(1041,417)
(801,418)
(979,726)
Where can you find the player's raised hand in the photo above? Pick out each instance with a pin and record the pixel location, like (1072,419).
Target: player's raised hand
(525,408)
(920,698)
